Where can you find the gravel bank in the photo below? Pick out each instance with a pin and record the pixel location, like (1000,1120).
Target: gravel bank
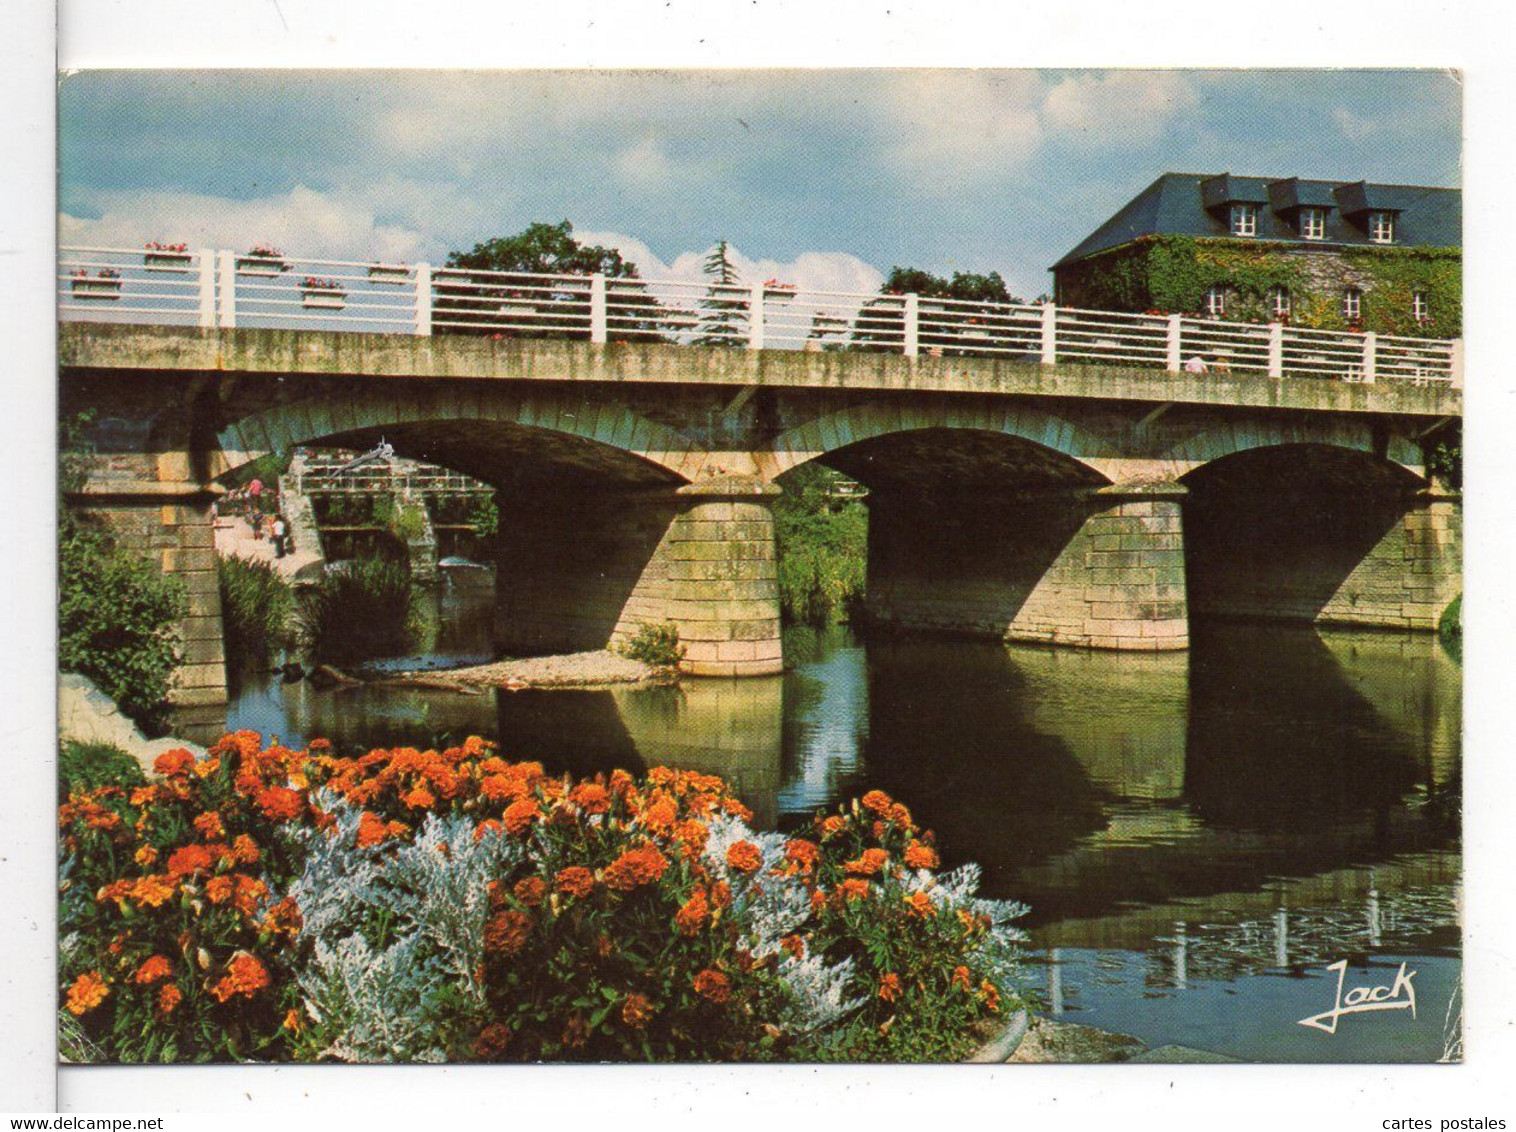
(572,670)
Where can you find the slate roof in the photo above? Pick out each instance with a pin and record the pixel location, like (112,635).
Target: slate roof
(1194,204)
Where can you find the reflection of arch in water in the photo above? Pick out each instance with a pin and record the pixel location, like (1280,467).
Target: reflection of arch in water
(1282,737)
(1122,716)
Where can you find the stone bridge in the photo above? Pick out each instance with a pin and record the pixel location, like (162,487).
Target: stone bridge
(1099,506)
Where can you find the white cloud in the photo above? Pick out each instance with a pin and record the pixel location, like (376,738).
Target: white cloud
(945,127)
(302,222)
(1354,127)
(645,165)
(809,271)
(1121,108)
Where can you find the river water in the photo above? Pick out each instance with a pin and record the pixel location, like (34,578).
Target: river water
(1197,835)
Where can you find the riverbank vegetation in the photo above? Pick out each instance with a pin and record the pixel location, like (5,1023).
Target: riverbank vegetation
(258,613)
(362,608)
(822,540)
(655,644)
(272,904)
(1450,627)
(89,766)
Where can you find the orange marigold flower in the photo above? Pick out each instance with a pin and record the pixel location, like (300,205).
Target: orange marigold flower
(900,815)
(639,866)
(877,801)
(831,827)
(245,850)
(507,932)
(621,782)
(245,975)
(280,802)
(889,987)
(145,856)
(636,1011)
(372,829)
(869,864)
(207,767)
(152,891)
(721,894)
(530,891)
(169,996)
(419,799)
(292,1021)
(920,904)
(818,900)
(575,880)
(802,855)
(661,814)
(853,889)
(692,835)
(919,856)
(794,945)
(170,763)
(218,890)
(283,917)
(961,977)
(484,828)
(519,816)
(745,857)
(208,825)
(89,991)
(990,994)
(736,809)
(590,797)
(144,795)
(713,985)
(692,915)
(501,788)
(155,968)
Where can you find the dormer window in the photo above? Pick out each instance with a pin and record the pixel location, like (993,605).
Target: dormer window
(1244,220)
(1313,223)
(1382,227)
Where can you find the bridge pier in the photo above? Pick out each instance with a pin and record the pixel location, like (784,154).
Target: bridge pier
(169,523)
(589,571)
(1090,567)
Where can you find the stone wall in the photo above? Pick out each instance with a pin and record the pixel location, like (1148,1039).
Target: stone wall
(1098,569)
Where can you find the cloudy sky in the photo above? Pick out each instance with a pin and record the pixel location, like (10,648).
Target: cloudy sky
(826,179)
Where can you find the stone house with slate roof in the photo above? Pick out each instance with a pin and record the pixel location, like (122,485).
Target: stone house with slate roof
(1327,254)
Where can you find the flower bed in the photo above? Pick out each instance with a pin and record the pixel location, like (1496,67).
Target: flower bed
(275,904)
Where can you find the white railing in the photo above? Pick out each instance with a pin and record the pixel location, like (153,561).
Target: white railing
(202,287)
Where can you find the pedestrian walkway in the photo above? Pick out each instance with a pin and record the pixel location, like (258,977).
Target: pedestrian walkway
(235,539)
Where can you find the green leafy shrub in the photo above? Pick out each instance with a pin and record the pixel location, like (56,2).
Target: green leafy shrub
(117,620)
(257,610)
(484,515)
(657,645)
(89,766)
(367,607)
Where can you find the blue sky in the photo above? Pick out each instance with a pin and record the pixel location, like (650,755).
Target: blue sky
(826,179)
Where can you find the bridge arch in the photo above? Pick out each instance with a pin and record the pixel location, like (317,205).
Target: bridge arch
(1338,433)
(653,451)
(858,423)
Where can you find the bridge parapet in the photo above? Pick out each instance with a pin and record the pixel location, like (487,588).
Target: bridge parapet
(221,289)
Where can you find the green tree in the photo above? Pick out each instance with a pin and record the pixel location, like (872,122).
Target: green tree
(723,311)
(944,327)
(471,291)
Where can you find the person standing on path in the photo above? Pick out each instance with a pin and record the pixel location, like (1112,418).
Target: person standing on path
(254,494)
(280,533)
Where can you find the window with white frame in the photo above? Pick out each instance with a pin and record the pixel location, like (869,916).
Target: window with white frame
(1352,304)
(1279,301)
(1244,220)
(1382,227)
(1215,302)
(1420,307)
(1313,223)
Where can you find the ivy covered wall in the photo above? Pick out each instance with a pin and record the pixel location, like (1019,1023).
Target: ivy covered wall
(1173,273)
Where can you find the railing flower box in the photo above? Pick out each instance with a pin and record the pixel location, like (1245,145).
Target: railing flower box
(105,284)
(322,294)
(389,273)
(777,292)
(263,260)
(173,258)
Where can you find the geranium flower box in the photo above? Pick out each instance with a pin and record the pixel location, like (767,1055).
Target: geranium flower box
(104,285)
(322,294)
(777,292)
(262,260)
(173,258)
(389,273)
